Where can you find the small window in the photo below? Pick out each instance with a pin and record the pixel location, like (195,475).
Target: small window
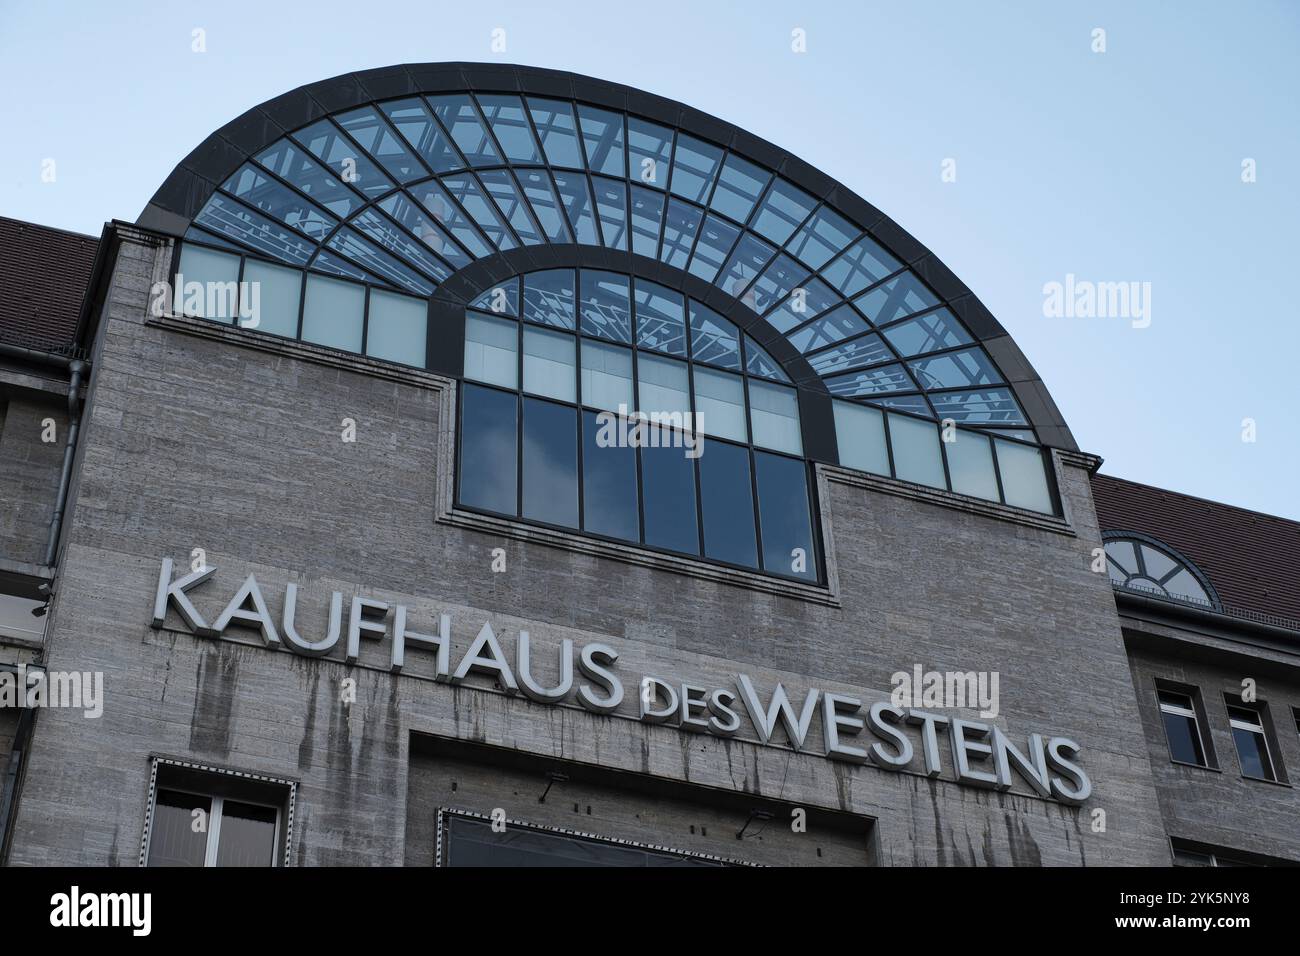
(1179,713)
(397,328)
(203,817)
(1137,563)
(334,313)
(1186,854)
(1251,738)
(207,284)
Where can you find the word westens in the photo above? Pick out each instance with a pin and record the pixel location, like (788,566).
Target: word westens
(981,754)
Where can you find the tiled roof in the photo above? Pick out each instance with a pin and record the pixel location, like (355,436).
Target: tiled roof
(1252,559)
(43,276)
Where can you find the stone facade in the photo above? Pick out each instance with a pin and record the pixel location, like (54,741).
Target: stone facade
(230,442)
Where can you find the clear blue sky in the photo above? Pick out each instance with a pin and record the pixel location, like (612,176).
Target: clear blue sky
(1118,166)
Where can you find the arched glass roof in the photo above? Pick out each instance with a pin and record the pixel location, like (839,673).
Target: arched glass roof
(406,191)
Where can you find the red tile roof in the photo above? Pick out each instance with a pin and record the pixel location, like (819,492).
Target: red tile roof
(43,276)
(1252,559)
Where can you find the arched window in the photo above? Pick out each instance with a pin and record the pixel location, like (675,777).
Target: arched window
(1140,563)
(602,402)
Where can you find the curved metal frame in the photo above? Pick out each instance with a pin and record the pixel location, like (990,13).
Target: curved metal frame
(193,181)
(1201,578)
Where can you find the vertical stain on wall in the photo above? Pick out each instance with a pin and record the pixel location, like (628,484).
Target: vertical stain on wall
(307,746)
(210,721)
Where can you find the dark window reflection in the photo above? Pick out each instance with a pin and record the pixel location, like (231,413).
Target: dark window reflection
(550,463)
(668,479)
(177,836)
(488,449)
(609,504)
(783,514)
(726,504)
(247,836)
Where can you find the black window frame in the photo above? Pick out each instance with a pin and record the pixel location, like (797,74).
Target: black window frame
(1192,694)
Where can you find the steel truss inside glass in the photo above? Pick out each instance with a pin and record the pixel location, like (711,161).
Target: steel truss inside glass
(403,193)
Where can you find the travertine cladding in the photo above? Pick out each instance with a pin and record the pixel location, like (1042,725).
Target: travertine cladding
(195,443)
(29,472)
(1221,808)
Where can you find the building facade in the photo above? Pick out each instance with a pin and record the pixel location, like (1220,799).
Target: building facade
(459,464)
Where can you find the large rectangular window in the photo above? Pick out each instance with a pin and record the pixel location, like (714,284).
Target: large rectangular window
(550,463)
(784,516)
(1179,713)
(668,487)
(488,450)
(1251,736)
(274,293)
(333,313)
(396,326)
(727,505)
(608,481)
(916,451)
(549,364)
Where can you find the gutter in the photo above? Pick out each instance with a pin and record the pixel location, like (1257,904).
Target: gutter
(77,368)
(1163,607)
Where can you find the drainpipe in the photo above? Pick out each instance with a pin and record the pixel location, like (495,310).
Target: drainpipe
(76,367)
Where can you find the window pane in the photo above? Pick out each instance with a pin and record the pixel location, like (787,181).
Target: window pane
(611,204)
(506,115)
(287,160)
(397,327)
(927,333)
(609,504)
(668,483)
(680,229)
(647,214)
(970,465)
(963,369)
(606,376)
(207,284)
(716,239)
(739,186)
(462,122)
(558,132)
(550,463)
(1253,753)
(774,417)
(247,835)
(899,297)
(602,134)
(916,451)
(660,319)
(1184,741)
(824,235)
(784,516)
(713,338)
(720,405)
(782,210)
(758,362)
(488,432)
(491,350)
(694,165)
(338,153)
(273,294)
(606,305)
(578,206)
(539,191)
(501,299)
(428,230)
(548,298)
(662,385)
(503,189)
(1024,478)
(332,314)
(860,433)
(172,840)
(727,505)
(277,200)
(648,147)
(379,141)
(415,123)
(549,366)
(863,264)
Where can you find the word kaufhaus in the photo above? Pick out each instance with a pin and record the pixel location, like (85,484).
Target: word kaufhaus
(982,755)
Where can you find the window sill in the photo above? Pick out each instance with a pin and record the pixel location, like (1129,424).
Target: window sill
(1274,783)
(1194,766)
